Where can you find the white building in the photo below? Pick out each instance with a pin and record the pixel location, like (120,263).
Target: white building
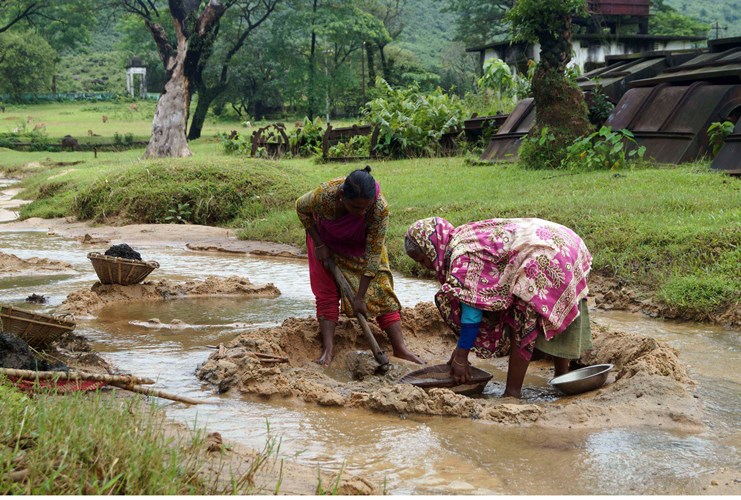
(588,50)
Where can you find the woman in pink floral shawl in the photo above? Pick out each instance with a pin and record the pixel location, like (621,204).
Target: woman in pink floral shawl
(525,275)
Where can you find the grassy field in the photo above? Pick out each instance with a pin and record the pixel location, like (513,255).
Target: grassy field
(80,119)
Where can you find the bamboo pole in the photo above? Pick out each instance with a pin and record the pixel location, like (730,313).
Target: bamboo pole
(31,374)
(156,392)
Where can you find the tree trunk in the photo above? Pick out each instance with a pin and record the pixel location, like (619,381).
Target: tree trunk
(371,65)
(313,101)
(171,117)
(199,115)
(384,64)
(561,105)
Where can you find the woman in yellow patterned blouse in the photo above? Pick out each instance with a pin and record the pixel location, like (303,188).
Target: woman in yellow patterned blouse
(347,219)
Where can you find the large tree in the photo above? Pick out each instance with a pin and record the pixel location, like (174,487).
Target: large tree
(26,60)
(332,31)
(245,17)
(479,22)
(561,110)
(391,14)
(196,27)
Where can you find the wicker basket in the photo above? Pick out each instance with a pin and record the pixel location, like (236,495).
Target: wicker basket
(120,271)
(37,330)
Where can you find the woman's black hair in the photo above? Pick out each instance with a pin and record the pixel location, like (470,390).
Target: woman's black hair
(359,184)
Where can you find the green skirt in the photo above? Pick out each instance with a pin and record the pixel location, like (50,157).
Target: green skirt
(570,343)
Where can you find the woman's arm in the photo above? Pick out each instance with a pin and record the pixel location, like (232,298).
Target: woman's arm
(306,207)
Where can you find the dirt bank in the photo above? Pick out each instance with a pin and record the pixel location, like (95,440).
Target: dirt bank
(10,265)
(85,302)
(648,384)
(609,294)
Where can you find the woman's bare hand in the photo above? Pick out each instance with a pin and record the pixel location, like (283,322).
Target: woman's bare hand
(359,307)
(321,252)
(460,369)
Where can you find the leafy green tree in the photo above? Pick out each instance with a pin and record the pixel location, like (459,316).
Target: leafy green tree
(26,62)
(391,14)
(326,37)
(479,22)
(238,24)
(63,23)
(562,112)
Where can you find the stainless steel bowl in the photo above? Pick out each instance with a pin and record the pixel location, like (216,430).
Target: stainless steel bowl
(582,380)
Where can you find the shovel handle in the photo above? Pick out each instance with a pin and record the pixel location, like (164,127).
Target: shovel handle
(348,292)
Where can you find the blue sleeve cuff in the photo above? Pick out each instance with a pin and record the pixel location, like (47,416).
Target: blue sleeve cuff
(469,331)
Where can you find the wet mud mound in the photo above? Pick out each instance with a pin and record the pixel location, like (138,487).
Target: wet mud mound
(86,302)
(648,385)
(11,265)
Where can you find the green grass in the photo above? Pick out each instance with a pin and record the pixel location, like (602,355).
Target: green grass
(84,444)
(674,231)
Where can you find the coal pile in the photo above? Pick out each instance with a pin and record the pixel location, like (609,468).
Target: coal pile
(124,251)
(15,353)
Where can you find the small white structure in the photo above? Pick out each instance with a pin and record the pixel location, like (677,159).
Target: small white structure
(133,68)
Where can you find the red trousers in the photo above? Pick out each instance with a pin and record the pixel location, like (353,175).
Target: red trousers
(327,295)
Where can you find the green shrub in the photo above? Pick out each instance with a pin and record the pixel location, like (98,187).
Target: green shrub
(603,150)
(357,146)
(235,143)
(307,139)
(410,122)
(717,133)
(544,151)
(600,107)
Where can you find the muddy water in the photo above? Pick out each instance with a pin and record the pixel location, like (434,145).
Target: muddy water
(410,454)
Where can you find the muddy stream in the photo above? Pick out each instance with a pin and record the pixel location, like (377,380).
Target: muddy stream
(409,453)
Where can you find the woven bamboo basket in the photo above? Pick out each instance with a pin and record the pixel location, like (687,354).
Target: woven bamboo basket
(120,271)
(37,330)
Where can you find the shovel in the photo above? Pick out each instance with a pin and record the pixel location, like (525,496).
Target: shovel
(381,358)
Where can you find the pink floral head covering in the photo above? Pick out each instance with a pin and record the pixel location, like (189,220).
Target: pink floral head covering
(432,236)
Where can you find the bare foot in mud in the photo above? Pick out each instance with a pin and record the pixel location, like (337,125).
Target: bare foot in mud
(511,395)
(409,357)
(325,359)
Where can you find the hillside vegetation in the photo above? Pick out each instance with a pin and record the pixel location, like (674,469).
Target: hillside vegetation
(727,13)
